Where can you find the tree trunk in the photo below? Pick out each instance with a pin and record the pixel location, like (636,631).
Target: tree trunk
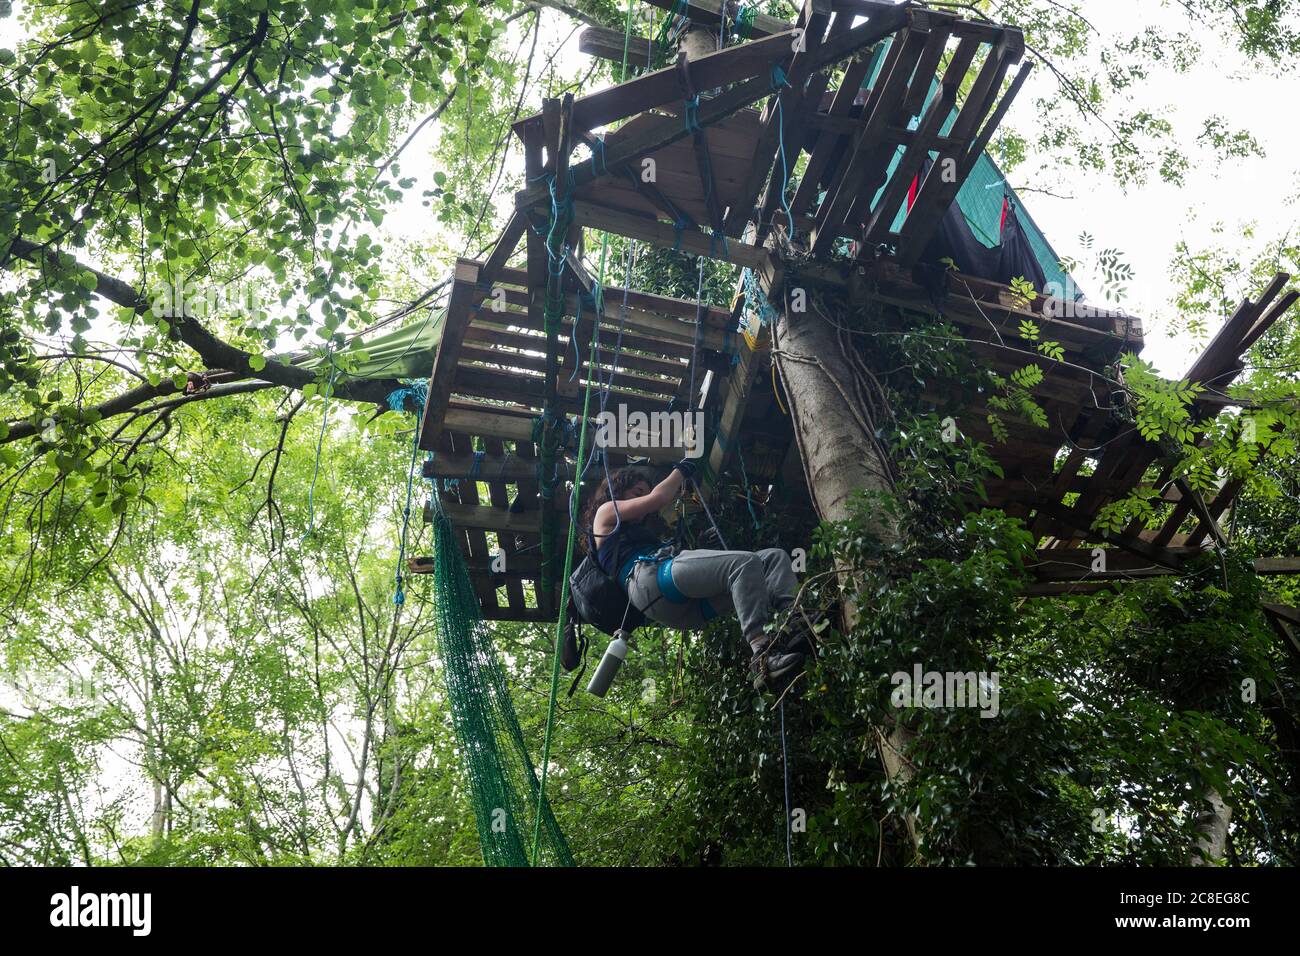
(838,459)
(1211,830)
(698,41)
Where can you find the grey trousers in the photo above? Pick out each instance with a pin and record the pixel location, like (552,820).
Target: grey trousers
(749,583)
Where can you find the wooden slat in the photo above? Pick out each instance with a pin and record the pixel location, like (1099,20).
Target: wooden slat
(917,152)
(813,19)
(484,518)
(495,467)
(867,158)
(499,495)
(613,45)
(461,302)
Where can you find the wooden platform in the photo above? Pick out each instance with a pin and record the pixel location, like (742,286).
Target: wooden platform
(875,97)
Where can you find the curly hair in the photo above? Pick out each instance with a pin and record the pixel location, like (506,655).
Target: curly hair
(621,481)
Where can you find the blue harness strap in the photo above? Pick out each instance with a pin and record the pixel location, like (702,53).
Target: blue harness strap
(664,575)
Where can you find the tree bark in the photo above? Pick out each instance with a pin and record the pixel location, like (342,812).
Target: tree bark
(838,459)
(1211,830)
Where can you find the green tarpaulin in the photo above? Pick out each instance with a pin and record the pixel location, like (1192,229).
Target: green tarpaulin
(407,352)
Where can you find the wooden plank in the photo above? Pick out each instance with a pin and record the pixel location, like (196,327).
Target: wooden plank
(868,154)
(663,235)
(1263,324)
(882,217)
(813,19)
(650,90)
(461,303)
(495,467)
(508,361)
(485,518)
(710,12)
(1287,565)
(612,45)
(496,425)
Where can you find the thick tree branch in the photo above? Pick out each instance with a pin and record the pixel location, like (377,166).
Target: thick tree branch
(217,355)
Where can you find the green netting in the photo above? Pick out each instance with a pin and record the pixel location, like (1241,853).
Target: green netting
(503,781)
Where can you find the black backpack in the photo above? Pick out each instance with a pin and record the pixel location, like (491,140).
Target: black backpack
(600,600)
(596,599)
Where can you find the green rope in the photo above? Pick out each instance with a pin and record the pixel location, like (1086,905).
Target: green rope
(564,587)
(573,504)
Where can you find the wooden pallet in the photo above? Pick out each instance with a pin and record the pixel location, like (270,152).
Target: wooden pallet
(489,387)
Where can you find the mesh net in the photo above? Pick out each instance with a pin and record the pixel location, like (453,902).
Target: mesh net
(503,781)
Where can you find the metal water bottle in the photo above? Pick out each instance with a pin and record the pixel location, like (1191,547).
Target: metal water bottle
(615,654)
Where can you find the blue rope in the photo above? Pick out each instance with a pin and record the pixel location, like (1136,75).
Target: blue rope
(778,81)
(573,340)
(417,393)
(598,150)
(311,490)
(679,227)
(476,465)
(692,114)
(713,243)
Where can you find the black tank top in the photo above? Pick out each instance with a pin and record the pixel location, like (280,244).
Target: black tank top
(626,541)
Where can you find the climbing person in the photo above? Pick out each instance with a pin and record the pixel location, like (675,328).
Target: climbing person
(686,589)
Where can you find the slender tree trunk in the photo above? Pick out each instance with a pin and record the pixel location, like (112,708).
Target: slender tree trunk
(1211,830)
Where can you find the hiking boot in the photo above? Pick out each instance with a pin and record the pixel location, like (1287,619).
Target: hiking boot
(797,635)
(774,668)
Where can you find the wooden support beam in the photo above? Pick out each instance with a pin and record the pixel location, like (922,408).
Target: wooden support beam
(646,92)
(1082,521)
(1288,565)
(781,121)
(496,467)
(1285,622)
(700,144)
(664,236)
(473,421)
(1208,524)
